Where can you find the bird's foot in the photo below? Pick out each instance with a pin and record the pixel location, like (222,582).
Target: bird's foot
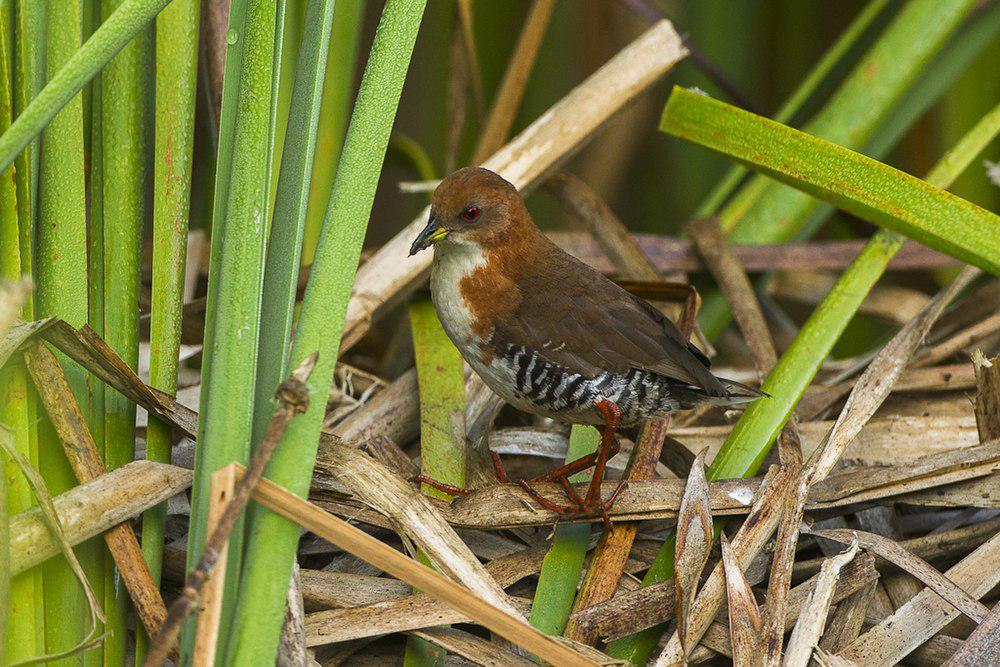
(577,507)
(592,504)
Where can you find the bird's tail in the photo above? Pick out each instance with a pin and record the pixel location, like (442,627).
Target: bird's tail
(738,393)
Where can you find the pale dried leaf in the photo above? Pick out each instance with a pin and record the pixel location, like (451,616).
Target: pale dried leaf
(749,540)
(15,335)
(926,614)
(744,615)
(918,567)
(809,628)
(694,544)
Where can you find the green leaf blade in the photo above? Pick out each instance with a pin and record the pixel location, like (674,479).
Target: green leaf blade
(858,184)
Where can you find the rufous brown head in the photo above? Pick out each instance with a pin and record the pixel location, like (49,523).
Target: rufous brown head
(472,205)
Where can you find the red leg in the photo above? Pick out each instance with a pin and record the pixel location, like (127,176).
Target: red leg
(545,502)
(577,465)
(571,492)
(612,417)
(498,464)
(592,504)
(622,485)
(441,486)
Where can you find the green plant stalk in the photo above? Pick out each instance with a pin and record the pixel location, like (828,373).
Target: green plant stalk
(281,272)
(972,39)
(223,168)
(853,182)
(13,383)
(25,630)
(286,55)
(944,70)
(61,290)
(972,93)
(223,162)
(176,89)
(234,300)
(560,575)
(123,119)
(853,113)
(337,92)
(76,70)
(441,387)
(751,438)
(29,45)
(805,90)
(763,211)
(273,539)
(95,289)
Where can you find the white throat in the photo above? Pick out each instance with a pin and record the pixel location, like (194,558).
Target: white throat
(452,262)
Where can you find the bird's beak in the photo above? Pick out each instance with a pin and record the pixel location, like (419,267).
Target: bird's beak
(430,235)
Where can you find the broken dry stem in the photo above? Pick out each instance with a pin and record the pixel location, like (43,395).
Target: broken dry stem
(85,460)
(812,620)
(206,639)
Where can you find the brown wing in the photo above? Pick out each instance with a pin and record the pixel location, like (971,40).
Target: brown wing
(574,316)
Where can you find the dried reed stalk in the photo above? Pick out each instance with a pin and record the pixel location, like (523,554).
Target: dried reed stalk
(926,614)
(81,450)
(856,575)
(987,395)
(670,254)
(693,546)
(749,540)
(716,254)
(744,615)
(515,81)
(916,566)
(92,508)
(210,609)
(812,619)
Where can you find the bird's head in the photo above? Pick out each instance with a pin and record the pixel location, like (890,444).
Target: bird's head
(472,206)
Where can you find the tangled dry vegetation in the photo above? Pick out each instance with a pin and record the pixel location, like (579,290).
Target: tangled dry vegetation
(870,536)
(873,534)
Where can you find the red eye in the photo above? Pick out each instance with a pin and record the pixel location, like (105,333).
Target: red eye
(471,213)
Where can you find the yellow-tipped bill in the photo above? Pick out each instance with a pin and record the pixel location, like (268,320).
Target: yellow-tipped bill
(430,235)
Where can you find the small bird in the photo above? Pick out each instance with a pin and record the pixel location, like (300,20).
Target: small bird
(551,335)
